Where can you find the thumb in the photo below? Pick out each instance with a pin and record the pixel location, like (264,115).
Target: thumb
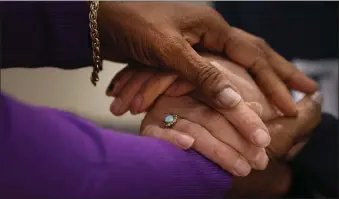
(296,149)
(286,131)
(309,112)
(204,75)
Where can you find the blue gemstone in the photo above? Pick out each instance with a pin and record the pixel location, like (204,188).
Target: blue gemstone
(169,118)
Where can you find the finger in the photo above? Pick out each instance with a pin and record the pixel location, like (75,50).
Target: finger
(175,137)
(129,92)
(292,77)
(119,80)
(296,149)
(310,112)
(220,128)
(248,124)
(151,90)
(179,87)
(285,131)
(181,57)
(275,90)
(220,153)
(216,124)
(243,118)
(242,49)
(289,74)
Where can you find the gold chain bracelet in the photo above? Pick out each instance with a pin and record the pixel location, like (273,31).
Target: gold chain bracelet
(93,25)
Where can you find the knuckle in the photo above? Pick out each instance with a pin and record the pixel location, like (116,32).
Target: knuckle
(250,122)
(208,77)
(167,45)
(219,154)
(260,65)
(212,14)
(291,75)
(216,150)
(209,10)
(276,91)
(232,43)
(147,130)
(193,130)
(260,42)
(225,156)
(204,16)
(216,154)
(251,153)
(171,51)
(246,117)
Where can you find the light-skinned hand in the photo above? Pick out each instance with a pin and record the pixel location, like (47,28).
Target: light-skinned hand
(214,137)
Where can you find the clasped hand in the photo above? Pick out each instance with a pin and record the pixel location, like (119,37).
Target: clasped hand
(206,129)
(162,35)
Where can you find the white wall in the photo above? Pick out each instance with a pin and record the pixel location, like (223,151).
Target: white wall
(66,89)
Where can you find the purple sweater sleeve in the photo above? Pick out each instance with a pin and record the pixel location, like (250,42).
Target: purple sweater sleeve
(47,153)
(36,34)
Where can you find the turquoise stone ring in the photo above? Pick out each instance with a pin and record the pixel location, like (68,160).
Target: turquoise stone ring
(170,120)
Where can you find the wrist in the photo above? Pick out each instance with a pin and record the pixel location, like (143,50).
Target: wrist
(275,180)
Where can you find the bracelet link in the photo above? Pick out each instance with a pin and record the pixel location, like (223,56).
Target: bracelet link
(93,25)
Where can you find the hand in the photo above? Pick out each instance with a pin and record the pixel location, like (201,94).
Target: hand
(273,182)
(205,130)
(136,89)
(162,34)
(288,138)
(216,139)
(150,84)
(288,134)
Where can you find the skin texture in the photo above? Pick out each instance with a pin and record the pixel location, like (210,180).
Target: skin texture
(162,35)
(216,140)
(218,136)
(150,84)
(247,87)
(288,138)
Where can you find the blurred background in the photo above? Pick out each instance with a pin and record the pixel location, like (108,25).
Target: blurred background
(303,32)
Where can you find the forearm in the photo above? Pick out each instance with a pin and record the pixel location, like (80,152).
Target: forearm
(36,34)
(49,153)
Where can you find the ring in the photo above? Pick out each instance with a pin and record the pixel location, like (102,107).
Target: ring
(170,120)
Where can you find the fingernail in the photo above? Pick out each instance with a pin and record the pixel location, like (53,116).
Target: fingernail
(109,89)
(136,104)
(261,138)
(242,168)
(228,98)
(317,98)
(184,141)
(261,160)
(116,105)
